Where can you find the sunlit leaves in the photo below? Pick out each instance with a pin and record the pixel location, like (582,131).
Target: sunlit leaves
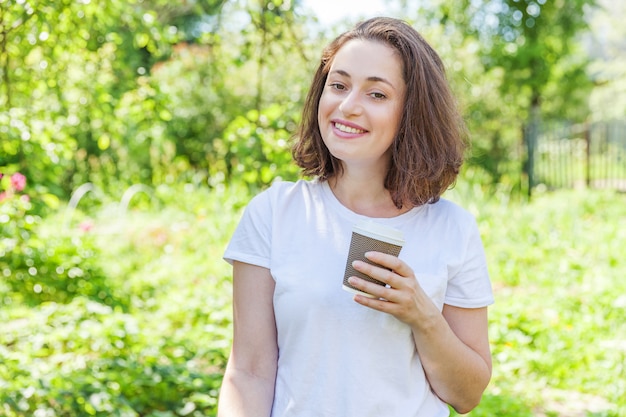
(161,352)
(531,40)
(114,96)
(555,328)
(64,68)
(559,302)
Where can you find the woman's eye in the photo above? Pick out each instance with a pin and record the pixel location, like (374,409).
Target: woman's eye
(337,86)
(378,96)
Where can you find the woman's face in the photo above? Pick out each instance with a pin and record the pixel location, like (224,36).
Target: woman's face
(362,102)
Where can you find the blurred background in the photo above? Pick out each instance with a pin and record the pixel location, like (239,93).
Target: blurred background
(132,133)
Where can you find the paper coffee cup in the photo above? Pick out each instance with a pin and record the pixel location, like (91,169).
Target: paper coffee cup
(370,236)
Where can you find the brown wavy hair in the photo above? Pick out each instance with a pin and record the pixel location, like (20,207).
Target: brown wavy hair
(429,147)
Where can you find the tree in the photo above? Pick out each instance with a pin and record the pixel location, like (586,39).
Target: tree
(535,44)
(78,101)
(606,42)
(65,65)
(530,69)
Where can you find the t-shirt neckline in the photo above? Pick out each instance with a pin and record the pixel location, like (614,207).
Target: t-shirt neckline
(336,205)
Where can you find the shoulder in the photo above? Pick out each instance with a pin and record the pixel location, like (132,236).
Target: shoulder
(281,192)
(451,211)
(286,189)
(300,186)
(450,219)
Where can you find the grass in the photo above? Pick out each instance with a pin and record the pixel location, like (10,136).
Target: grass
(558,328)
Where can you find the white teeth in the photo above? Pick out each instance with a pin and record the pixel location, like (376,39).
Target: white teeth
(348,129)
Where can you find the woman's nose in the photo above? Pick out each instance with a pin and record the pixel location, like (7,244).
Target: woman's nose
(351,104)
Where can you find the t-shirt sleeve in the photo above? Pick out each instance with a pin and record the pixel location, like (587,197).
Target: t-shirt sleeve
(469,286)
(251,241)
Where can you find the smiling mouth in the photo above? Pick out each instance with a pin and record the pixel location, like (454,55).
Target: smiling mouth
(348,129)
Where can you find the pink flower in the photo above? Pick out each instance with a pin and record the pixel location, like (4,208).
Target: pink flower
(3,196)
(86,226)
(18,181)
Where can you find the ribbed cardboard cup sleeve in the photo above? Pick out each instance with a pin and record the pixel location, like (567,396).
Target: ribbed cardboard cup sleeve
(370,236)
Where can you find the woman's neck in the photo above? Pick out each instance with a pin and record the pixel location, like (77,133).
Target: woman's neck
(365,195)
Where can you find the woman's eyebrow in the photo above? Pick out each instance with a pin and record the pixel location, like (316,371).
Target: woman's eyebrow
(372,78)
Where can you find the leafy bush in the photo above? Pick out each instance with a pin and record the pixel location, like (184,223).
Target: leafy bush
(88,359)
(38,268)
(162,353)
(560,304)
(555,328)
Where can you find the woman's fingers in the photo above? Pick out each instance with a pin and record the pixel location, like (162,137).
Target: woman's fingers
(389,269)
(389,261)
(400,296)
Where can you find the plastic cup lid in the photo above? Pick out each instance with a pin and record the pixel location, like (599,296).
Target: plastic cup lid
(379,231)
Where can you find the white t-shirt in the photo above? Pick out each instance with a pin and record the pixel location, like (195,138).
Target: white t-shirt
(336,357)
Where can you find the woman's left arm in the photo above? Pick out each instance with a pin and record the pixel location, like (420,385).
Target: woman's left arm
(453,344)
(456,356)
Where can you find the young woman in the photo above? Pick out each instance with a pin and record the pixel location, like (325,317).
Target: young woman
(382,139)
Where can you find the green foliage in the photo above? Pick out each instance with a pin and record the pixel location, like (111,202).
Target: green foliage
(606,71)
(511,63)
(163,352)
(501,405)
(144,92)
(88,359)
(125,310)
(257,147)
(555,328)
(533,42)
(217,134)
(38,268)
(559,301)
(64,66)
(153,91)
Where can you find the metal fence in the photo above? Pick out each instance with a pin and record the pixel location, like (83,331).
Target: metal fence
(589,155)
